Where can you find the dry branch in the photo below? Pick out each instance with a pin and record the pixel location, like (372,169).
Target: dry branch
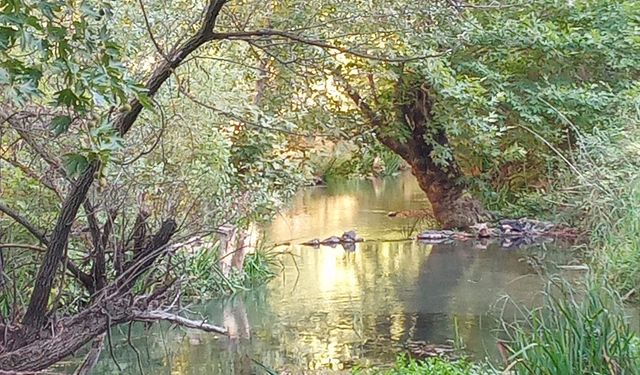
(154,316)
(74,332)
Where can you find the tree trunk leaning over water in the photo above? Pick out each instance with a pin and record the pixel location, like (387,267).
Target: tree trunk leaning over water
(452,206)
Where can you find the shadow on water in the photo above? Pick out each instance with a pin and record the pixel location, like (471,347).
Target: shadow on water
(331,309)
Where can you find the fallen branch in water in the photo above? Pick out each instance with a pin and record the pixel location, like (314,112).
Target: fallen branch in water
(580,267)
(154,316)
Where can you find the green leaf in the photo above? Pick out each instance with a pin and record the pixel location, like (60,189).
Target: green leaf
(75,164)
(146,102)
(67,98)
(60,124)
(7,37)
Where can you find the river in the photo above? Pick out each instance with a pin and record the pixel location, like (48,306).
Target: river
(331,309)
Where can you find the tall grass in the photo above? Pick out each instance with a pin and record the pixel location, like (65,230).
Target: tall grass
(603,197)
(581,332)
(617,246)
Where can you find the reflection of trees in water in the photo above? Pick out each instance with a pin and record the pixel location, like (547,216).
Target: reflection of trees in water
(463,282)
(370,303)
(166,350)
(320,212)
(346,307)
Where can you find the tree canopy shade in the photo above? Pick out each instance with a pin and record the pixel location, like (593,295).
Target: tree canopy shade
(499,105)
(118,117)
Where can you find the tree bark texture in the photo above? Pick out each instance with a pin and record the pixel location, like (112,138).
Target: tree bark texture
(452,206)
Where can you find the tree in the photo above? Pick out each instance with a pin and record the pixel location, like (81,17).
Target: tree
(475,107)
(445,85)
(71,104)
(61,70)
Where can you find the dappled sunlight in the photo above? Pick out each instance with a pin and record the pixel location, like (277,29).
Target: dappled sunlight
(321,215)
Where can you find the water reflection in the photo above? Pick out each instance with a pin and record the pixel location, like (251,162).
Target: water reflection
(331,309)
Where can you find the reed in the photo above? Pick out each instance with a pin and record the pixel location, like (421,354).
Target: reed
(576,331)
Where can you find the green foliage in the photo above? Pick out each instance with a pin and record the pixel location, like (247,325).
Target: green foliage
(61,54)
(533,75)
(574,332)
(523,90)
(517,78)
(435,366)
(346,160)
(600,193)
(205,280)
(618,249)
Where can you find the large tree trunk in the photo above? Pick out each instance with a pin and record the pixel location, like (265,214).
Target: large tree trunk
(452,206)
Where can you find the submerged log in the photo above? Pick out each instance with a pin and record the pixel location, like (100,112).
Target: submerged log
(314,242)
(333,240)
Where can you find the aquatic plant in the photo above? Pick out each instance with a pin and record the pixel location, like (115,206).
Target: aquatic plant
(432,366)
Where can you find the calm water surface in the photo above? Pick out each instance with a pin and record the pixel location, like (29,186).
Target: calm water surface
(331,309)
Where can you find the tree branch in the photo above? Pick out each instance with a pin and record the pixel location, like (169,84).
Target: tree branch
(372,117)
(37,233)
(154,316)
(144,259)
(76,331)
(98,270)
(53,162)
(30,173)
(35,317)
(253,35)
(22,246)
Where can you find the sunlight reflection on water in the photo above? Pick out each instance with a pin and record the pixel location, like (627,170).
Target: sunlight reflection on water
(331,309)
